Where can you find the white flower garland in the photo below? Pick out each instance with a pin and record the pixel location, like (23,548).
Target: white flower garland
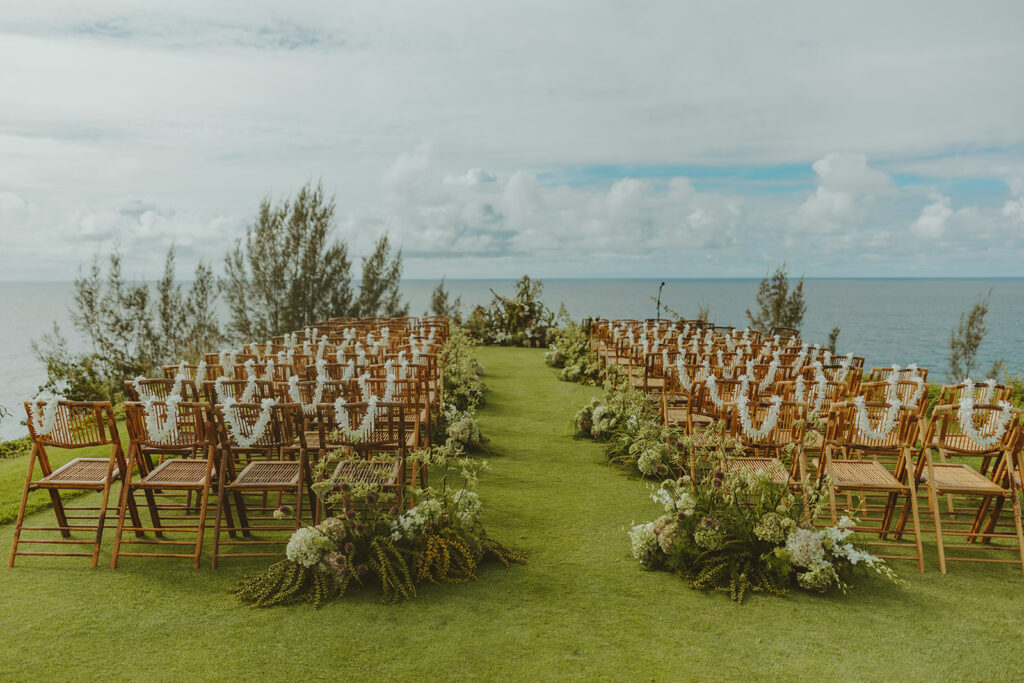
(712,387)
(367,425)
(769,376)
(985,389)
(227,360)
(247,392)
(820,391)
(892,391)
(50,404)
(886,424)
(161,433)
(683,378)
(318,391)
(367,393)
(767,425)
(965,415)
(256,430)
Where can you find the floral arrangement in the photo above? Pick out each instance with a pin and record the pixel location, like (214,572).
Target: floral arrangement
(519,320)
(463,392)
(570,351)
(738,532)
(370,539)
(626,420)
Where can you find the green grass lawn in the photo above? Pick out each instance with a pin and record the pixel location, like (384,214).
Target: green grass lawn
(582,608)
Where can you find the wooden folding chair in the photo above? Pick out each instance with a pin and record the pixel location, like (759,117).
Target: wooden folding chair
(71,425)
(177,428)
(851,464)
(256,463)
(779,453)
(371,451)
(978,495)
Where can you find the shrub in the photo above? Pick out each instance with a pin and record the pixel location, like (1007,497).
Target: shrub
(570,351)
(777,306)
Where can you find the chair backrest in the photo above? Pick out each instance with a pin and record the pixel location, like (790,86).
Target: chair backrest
(874,427)
(357,425)
(904,373)
(238,389)
(330,390)
(983,393)
(986,430)
(254,426)
(72,424)
(786,428)
(210,372)
(160,388)
(148,424)
(910,392)
(784,332)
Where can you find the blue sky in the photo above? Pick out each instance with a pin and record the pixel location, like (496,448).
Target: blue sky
(569,139)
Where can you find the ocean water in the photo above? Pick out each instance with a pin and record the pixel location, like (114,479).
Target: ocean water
(887,321)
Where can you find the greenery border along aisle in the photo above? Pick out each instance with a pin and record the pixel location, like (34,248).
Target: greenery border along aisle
(371,540)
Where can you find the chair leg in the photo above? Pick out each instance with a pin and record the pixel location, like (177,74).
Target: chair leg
(126,495)
(933,505)
(202,517)
(100,522)
(21,508)
(221,504)
(153,512)
(58,510)
(1018,524)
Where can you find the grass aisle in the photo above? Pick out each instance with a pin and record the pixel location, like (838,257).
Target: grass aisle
(582,608)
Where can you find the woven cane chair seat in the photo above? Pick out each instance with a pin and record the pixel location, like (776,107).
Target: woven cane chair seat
(675,415)
(178,473)
(367,471)
(772,467)
(81,471)
(813,441)
(863,475)
(705,439)
(955,478)
(262,474)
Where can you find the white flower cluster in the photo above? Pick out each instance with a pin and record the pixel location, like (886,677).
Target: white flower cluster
(644,542)
(307,546)
(412,522)
(675,498)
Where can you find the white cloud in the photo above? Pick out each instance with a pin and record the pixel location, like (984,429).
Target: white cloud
(931,224)
(10,201)
(1014,207)
(851,174)
(471,178)
(846,185)
(346,92)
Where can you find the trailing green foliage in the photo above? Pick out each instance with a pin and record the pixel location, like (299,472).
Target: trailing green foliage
(288,582)
(519,320)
